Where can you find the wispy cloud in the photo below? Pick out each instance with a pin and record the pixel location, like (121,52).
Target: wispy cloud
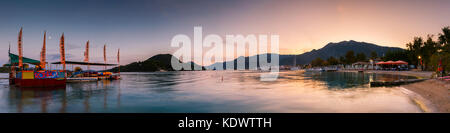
(58,56)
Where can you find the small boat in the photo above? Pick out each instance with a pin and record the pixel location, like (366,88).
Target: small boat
(315,70)
(81,79)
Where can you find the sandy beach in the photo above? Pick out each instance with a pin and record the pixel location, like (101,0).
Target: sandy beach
(437,92)
(434,90)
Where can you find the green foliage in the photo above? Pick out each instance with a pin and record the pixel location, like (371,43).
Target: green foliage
(317,62)
(332,61)
(155,63)
(437,58)
(397,55)
(360,57)
(373,55)
(341,59)
(430,52)
(444,39)
(350,57)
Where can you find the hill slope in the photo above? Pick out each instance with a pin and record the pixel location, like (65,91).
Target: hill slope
(155,63)
(337,50)
(331,49)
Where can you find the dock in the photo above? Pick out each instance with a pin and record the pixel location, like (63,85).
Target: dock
(394,83)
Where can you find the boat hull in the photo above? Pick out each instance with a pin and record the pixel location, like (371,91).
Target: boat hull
(39,83)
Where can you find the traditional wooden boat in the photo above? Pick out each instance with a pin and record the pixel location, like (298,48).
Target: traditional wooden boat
(37,77)
(89,75)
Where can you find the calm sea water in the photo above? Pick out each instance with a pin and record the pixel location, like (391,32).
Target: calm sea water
(214,91)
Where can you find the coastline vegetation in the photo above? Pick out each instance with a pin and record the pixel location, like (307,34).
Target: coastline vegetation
(429,54)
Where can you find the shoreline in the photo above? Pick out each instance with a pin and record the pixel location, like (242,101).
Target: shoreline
(431,91)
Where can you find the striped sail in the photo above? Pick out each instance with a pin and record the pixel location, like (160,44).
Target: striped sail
(61,49)
(43,52)
(19,45)
(104,54)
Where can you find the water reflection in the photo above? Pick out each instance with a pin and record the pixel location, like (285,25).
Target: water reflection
(23,97)
(213,91)
(343,80)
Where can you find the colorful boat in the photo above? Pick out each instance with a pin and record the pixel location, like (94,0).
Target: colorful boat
(37,77)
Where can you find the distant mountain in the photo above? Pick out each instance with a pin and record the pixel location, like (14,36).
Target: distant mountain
(163,61)
(331,49)
(246,59)
(160,62)
(337,50)
(4,69)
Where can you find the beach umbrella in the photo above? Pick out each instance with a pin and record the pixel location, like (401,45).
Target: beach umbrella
(400,62)
(380,63)
(389,62)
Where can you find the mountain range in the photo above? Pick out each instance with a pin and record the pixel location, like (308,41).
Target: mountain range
(162,61)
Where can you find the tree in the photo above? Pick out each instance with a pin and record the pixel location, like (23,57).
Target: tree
(350,57)
(360,57)
(373,55)
(429,48)
(396,55)
(332,61)
(415,50)
(342,59)
(444,39)
(443,55)
(317,62)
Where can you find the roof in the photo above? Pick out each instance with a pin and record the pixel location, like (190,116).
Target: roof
(399,62)
(86,63)
(361,63)
(14,59)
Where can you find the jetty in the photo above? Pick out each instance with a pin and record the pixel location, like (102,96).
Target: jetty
(394,83)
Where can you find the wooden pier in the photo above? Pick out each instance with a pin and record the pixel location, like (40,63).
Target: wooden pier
(394,83)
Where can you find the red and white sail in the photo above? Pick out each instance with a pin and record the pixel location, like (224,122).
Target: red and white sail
(61,50)
(19,45)
(43,52)
(104,54)
(86,54)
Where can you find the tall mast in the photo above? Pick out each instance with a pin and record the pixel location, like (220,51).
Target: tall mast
(43,52)
(104,55)
(19,45)
(63,55)
(86,54)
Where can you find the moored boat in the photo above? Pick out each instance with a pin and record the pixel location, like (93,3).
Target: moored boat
(36,77)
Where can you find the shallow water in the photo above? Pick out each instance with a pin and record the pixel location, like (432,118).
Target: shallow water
(215,91)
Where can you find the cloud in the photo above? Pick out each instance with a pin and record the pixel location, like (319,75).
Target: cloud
(58,56)
(70,46)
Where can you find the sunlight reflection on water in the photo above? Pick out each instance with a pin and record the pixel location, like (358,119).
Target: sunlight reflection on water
(214,91)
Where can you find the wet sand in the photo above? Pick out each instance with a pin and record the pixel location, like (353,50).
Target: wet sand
(436,92)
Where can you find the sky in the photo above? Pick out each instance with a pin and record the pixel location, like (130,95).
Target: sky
(143,28)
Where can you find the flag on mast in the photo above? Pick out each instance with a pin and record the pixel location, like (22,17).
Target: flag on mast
(86,54)
(19,45)
(43,51)
(63,55)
